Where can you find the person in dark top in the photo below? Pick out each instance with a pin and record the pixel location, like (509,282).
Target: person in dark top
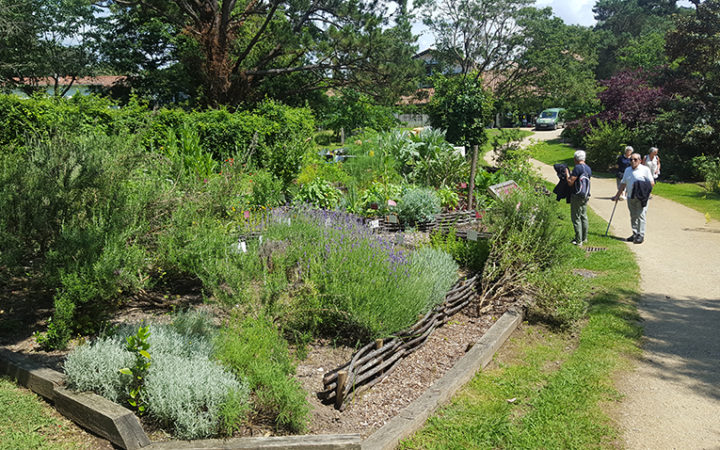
(623,162)
(578,200)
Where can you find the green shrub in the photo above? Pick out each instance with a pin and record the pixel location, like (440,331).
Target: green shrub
(418,204)
(266,190)
(437,273)
(525,241)
(558,298)
(319,193)
(469,254)
(255,351)
(708,167)
(449,198)
(605,142)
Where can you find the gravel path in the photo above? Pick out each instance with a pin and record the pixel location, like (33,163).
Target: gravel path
(672,397)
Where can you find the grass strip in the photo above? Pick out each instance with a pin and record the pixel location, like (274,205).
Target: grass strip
(692,195)
(551,389)
(26,422)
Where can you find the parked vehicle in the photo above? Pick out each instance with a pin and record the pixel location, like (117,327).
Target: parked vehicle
(550,119)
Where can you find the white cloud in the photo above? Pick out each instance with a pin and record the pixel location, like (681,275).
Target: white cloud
(572,12)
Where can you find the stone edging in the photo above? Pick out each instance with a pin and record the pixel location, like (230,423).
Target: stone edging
(121,427)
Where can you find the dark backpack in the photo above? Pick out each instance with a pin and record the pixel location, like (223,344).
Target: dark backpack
(582,185)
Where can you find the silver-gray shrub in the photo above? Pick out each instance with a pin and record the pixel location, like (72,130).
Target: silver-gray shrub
(437,270)
(188,393)
(184,389)
(95,367)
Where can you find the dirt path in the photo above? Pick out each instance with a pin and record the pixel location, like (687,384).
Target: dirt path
(672,397)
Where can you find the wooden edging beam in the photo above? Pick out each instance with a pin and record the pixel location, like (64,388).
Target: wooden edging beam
(414,415)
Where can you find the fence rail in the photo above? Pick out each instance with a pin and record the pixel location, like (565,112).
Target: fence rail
(376,360)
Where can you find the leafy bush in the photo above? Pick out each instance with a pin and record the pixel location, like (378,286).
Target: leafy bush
(351,110)
(418,205)
(605,142)
(438,271)
(266,191)
(525,241)
(374,200)
(319,193)
(558,298)
(255,351)
(469,254)
(709,169)
(353,283)
(449,199)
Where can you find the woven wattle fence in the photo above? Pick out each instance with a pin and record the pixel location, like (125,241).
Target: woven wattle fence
(378,359)
(443,222)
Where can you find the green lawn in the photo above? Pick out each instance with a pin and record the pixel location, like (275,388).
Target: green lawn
(691,195)
(548,389)
(26,422)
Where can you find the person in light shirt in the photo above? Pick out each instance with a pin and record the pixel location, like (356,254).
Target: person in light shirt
(638,180)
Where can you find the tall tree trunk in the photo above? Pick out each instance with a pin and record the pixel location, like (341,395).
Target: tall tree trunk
(473,168)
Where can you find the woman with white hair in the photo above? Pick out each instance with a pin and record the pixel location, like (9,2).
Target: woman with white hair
(579,179)
(652,161)
(623,162)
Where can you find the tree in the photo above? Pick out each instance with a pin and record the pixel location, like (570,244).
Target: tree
(240,51)
(49,38)
(477,35)
(620,21)
(462,107)
(556,66)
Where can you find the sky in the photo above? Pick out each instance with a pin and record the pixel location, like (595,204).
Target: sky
(572,12)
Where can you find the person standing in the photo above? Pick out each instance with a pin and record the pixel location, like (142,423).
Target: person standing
(652,161)
(579,182)
(623,162)
(639,181)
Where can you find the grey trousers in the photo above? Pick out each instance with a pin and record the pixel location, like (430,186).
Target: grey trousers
(579,217)
(638,214)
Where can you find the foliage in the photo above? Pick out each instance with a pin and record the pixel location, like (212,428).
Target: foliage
(449,199)
(266,190)
(440,271)
(319,193)
(374,200)
(181,363)
(477,35)
(469,254)
(605,142)
(96,368)
(462,107)
(418,204)
(350,110)
(525,241)
(255,351)
(348,283)
(234,55)
(138,345)
(630,97)
(558,298)
(709,168)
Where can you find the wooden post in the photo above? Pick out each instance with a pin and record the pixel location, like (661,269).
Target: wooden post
(340,393)
(342,136)
(378,344)
(471,184)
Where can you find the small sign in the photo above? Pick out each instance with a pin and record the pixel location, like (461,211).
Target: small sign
(391,219)
(502,190)
(260,239)
(463,185)
(375,223)
(242,246)
(374,206)
(289,221)
(328,222)
(392,203)
(478,215)
(246,214)
(472,235)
